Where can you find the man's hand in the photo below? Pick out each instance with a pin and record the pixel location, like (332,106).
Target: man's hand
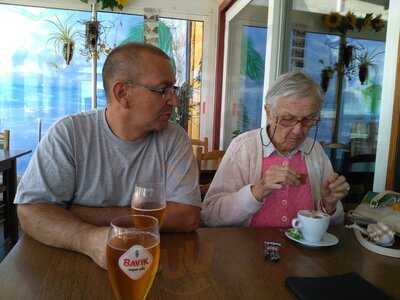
(94,243)
(274,179)
(334,189)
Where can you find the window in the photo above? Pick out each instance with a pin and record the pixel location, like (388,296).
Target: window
(36,84)
(244,78)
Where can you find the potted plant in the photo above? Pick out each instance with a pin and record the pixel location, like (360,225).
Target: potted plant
(348,55)
(365,60)
(63,38)
(326,75)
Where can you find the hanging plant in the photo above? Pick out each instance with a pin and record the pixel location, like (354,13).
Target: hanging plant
(365,61)
(326,75)
(363,73)
(347,55)
(63,38)
(92,34)
(109,3)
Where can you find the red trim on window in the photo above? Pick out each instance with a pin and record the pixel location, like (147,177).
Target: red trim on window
(223,7)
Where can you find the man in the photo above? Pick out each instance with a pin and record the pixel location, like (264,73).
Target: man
(83,172)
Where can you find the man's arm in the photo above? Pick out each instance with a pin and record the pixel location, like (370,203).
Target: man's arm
(57,227)
(181,217)
(99,216)
(178,217)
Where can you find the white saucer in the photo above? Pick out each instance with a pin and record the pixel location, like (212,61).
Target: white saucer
(328,240)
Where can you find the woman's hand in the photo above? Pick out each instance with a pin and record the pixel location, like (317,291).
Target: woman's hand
(274,179)
(334,189)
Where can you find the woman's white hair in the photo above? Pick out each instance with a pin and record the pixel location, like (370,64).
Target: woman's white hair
(293,84)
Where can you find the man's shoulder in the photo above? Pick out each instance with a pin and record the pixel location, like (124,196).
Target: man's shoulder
(173,131)
(90,116)
(68,126)
(78,118)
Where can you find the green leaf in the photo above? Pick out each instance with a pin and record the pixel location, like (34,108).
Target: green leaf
(295,233)
(251,63)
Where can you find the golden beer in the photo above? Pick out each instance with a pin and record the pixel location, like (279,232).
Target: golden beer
(133,254)
(151,209)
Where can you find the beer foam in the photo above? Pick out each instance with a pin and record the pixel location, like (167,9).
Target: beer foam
(149,209)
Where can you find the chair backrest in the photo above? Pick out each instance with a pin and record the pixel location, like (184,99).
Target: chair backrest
(5,140)
(208,163)
(359,173)
(214,155)
(199,145)
(339,146)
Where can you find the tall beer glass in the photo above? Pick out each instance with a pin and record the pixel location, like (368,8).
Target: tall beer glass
(149,199)
(133,254)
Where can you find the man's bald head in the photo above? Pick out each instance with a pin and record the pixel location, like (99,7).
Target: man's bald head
(126,62)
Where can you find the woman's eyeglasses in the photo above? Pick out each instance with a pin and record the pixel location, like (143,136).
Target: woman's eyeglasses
(305,122)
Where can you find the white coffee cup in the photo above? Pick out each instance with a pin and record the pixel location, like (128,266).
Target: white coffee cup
(312,224)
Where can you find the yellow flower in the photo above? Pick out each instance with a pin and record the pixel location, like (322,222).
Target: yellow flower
(122,2)
(332,20)
(351,19)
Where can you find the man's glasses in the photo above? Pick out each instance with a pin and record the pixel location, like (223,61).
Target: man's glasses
(292,122)
(165,92)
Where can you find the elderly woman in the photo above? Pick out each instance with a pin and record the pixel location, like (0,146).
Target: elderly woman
(267,175)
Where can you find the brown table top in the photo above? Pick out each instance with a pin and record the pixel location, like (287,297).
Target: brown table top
(214,263)
(11,154)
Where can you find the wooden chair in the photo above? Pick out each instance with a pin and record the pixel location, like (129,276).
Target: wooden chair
(5,140)
(199,144)
(208,163)
(214,156)
(339,146)
(359,173)
(5,145)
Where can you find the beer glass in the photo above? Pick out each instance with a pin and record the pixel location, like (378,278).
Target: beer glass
(133,254)
(149,199)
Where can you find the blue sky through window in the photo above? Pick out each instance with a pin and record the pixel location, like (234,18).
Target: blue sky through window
(35,82)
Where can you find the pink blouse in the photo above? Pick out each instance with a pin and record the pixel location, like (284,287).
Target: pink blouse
(281,206)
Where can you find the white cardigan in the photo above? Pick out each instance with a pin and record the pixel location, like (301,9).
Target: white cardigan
(229,201)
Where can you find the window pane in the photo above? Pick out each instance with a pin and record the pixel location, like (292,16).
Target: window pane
(361,102)
(195,74)
(35,82)
(311,52)
(243,101)
(183,41)
(252,67)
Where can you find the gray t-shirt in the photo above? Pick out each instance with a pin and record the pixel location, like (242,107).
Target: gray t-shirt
(81,161)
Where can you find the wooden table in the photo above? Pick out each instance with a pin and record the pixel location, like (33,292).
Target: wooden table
(8,167)
(214,263)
